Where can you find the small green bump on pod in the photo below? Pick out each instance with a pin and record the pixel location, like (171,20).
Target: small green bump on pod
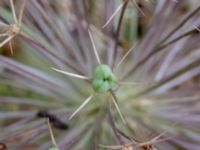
(102,71)
(100,85)
(103,79)
(53,148)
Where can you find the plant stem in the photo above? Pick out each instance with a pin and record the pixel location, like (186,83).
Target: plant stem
(112,123)
(118,31)
(158,49)
(168,79)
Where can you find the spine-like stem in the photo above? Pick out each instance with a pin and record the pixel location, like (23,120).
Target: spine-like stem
(70,74)
(156,50)
(112,123)
(11,48)
(138,7)
(81,106)
(94,48)
(114,99)
(118,30)
(51,134)
(13,11)
(113,15)
(21,13)
(123,58)
(6,40)
(4,34)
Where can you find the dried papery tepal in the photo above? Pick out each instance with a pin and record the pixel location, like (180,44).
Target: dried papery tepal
(103,74)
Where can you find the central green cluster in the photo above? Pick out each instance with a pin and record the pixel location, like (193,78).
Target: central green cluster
(103,79)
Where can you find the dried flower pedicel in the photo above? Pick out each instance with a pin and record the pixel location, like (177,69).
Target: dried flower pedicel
(12,30)
(55,147)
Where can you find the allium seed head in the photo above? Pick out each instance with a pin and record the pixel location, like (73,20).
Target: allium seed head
(100,74)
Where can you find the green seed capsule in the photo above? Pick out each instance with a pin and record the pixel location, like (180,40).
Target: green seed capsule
(103,79)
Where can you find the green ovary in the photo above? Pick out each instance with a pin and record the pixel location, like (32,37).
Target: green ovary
(103,79)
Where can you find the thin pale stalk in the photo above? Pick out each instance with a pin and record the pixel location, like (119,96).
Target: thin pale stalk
(125,4)
(137,6)
(114,14)
(117,107)
(6,40)
(70,74)
(114,147)
(123,58)
(135,145)
(13,11)
(112,123)
(94,48)
(11,48)
(21,12)
(81,106)
(153,141)
(197,28)
(134,83)
(51,134)
(4,34)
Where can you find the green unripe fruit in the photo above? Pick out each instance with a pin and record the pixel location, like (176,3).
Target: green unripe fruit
(103,79)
